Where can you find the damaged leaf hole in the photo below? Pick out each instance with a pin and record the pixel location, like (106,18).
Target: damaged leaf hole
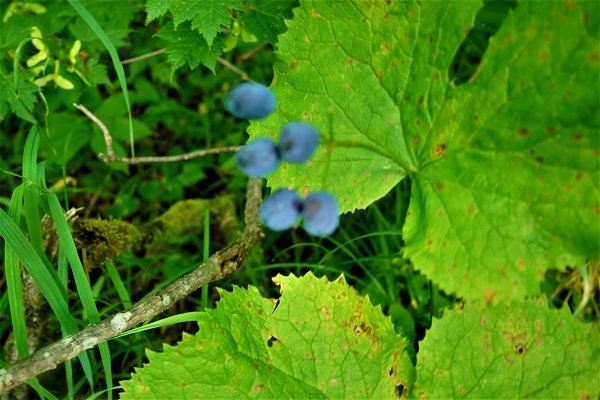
(400,390)
(271,340)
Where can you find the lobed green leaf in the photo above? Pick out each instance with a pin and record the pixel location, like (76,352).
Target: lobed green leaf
(319,340)
(504,168)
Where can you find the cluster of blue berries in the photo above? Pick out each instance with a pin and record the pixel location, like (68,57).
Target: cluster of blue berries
(297,143)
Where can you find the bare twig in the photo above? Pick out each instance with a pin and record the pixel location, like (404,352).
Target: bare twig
(235,69)
(220,265)
(249,54)
(223,61)
(103,128)
(110,157)
(143,56)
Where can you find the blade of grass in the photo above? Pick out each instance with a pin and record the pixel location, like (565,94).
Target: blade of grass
(83,288)
(91,21)
(14,286)
(63,274)
(31,193)
(39,273)
(205,254)
(117,282)
(33,174)
(175,319)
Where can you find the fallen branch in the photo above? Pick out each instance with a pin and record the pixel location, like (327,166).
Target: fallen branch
(220,265)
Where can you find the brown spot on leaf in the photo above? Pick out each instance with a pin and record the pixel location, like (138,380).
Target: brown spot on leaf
(577,136)
(439,186)
(393,63)
(476,118)
(470,209)
(539,159)
(349,60)
(522,131)
(294,64)
(379,75)
(314,13)
(521,265)
(489,295)
(438,150)
(550,130)
(417,122)
(543,56)
(429,242)
(416,140)
(436,75)
(421,100)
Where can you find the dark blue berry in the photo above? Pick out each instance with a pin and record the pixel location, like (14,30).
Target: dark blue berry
(251,101)
(298,141)
(281,209)
(320,214)
(258,158)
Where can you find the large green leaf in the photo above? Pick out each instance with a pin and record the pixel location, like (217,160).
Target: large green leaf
(319,340)
(504,168)
(510,352)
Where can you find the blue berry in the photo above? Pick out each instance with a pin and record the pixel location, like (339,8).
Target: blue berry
(281,209)
(320,214)
(298,141)
(250,101)
(258,158)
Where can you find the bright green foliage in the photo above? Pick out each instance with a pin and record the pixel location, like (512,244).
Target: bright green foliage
(319,340)
(207,16)
(504,168)
(521,351)
(199,30)
(186,46)
(20,99)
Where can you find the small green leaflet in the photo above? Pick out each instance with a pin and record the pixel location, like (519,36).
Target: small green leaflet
(19,100)
(198,33)
(187,46)
(504,168)
(207,16)
(520,351)
(320,339)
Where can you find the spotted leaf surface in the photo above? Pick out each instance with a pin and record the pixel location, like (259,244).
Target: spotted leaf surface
(320,339)
(520,351)
(504,168)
